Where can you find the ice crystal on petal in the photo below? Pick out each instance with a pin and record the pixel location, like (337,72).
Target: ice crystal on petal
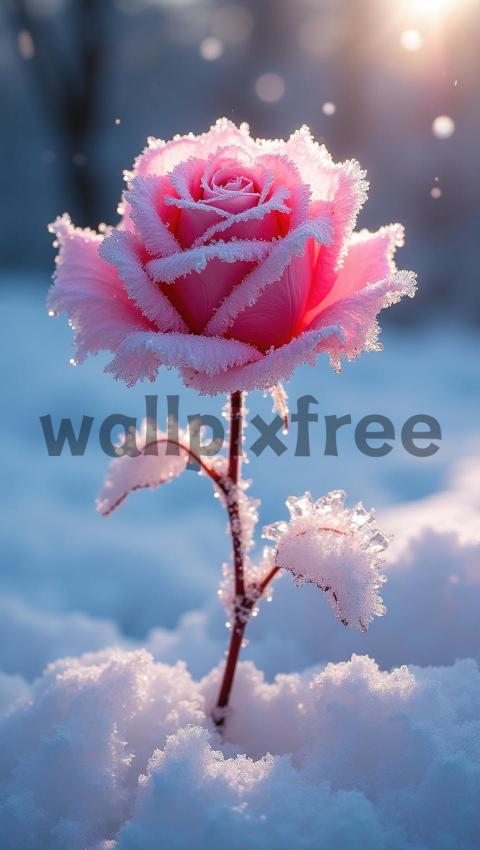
(336,548)
(280,402)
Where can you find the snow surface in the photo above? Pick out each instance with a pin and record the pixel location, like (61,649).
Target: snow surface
(349,756)
(117,748)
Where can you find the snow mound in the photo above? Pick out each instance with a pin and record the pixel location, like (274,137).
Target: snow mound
(113,750)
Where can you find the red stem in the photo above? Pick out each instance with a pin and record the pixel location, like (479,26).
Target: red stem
(266,581)
(236,638)
(235,447)
(241,602)
(234,465)
(244,603)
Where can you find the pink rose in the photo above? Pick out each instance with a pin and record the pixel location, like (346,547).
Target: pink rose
(235,260)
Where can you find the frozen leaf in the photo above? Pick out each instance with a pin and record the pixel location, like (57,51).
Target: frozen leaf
(146,470)
(336,548)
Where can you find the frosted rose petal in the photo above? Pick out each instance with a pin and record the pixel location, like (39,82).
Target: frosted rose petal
(269,272)
(90,292)
(141,354)
(275,366)
(121,250)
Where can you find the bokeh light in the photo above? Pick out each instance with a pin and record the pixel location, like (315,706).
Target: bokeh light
(436,192)
(329,108)
(26,47)
(270,87)
(211,48)
(443,127)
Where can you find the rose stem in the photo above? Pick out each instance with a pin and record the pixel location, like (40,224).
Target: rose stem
(234,467)
(228,486)
(240,615)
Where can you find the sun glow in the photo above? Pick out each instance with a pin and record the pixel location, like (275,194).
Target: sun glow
(432,5)
(411,40)
(431,8)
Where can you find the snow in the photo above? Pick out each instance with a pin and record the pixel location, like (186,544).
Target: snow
(116,747)
(97,749)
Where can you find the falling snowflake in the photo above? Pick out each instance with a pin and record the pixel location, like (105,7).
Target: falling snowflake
(338,549)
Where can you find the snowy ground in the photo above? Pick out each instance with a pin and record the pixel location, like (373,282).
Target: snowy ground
(359,756)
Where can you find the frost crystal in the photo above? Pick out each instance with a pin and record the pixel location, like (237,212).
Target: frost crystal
(280,402)
(337,548)
(245,528)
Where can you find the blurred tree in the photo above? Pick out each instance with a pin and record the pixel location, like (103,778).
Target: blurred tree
(66,68)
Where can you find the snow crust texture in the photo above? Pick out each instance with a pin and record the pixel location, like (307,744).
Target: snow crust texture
(114,750)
